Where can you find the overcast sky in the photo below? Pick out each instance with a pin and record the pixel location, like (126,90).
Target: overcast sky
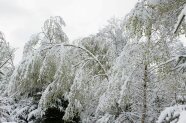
(19,19)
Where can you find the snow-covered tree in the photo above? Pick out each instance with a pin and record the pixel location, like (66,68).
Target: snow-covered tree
(128,72)
(6,62)
(92,72)
(6,68)
(115,33)
(144,92)
(6,56)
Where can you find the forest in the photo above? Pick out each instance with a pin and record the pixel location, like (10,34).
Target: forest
(132,71)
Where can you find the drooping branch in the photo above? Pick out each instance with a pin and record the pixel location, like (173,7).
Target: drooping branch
(1,73)
(5,62)
(91,55)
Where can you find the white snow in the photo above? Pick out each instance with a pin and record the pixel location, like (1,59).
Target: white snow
(171,112)
(182,118)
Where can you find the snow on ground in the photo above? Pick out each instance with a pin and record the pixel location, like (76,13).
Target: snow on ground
(182,118)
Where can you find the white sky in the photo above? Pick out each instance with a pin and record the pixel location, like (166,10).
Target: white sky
(19,19)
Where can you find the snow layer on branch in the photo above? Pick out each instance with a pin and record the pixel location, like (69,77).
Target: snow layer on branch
(33,114)
(107,118)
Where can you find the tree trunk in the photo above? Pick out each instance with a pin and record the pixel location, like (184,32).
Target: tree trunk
(144,110)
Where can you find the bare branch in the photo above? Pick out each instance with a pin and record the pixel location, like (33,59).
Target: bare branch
(180,19)
(178,24)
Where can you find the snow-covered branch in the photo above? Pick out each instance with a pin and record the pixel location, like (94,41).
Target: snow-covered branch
(91,55)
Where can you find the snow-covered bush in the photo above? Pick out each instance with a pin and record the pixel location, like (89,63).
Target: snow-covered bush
(172,114)
(6,107)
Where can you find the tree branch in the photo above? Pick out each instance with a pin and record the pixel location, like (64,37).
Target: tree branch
(5,62)
(91,55)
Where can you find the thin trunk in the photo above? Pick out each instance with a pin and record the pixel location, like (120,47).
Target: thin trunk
(144,110)
(145,79)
